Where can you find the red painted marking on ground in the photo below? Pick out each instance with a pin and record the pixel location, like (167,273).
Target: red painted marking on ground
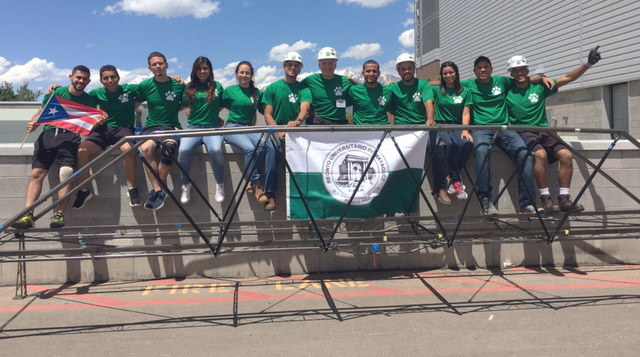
(363,293)
(383,290)
(254,296)
(601,278)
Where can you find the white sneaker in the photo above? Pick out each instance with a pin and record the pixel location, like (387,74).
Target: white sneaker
(186,194)
(219,192)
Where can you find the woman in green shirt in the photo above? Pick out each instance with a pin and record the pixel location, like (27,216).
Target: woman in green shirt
(453,104)
(203,96)
(243,100)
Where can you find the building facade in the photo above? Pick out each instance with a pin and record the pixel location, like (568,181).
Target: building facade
(555,37)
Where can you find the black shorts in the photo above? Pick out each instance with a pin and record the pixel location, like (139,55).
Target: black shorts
(105,135)
(55,144)
(547,142)
(158,141)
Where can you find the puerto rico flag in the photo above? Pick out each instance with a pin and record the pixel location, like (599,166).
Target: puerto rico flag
(69,115)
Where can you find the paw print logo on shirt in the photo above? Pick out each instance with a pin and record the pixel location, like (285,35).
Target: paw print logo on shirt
(293,98)
(170,95)
(457,99)
(533,98)
(382,100)
(417,97)
(496,90)
(337,91)
(123,98)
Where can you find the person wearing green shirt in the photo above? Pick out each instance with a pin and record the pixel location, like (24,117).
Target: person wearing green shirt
(328,91)
(526,105)
(411,98)
(203,97)
(281,102)
(370,99)
(163,96)
(243,100)
(56,144)
(453,106)
(119,102)
(489,108)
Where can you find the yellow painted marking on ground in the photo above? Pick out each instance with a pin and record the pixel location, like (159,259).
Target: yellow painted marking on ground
(174,289)
(185,289)
(196,288)
(148,289)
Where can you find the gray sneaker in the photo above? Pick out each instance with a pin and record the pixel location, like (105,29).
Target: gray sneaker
(528,209)
(150,201)
(488,208)
(158,202)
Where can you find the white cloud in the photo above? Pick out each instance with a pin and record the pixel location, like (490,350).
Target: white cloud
(410,7)
(408,23)
(363,50)
(278,52)
(367,3)
(199,9)
(264,76)
(35,70)
(406,39)
(173,60)
(4,63)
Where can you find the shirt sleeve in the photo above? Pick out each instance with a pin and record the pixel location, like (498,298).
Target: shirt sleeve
(267,97)
(260,105)
(305,96)
(426,92)
(467,98)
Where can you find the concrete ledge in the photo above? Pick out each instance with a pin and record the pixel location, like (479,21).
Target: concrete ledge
(110,188)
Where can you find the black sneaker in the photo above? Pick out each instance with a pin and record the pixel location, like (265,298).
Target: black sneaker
(134,197)
(158,202)
(150,201)
(82,197)
(488,208)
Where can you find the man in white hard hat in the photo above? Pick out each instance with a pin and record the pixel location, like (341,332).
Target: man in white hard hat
(412,103)
(282,107)
(328,91)
(526,106)
(412,98)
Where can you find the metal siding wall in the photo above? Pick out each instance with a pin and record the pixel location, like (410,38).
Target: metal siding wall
(554,35)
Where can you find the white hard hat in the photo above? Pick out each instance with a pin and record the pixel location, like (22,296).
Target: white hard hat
(405,57)
(293,56)
(327,53)
(516,61)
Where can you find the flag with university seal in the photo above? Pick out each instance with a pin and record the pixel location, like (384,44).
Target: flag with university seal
(69,115)
(328,167)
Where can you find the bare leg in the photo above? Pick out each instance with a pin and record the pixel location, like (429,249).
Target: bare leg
(35,185)
(86,151)
(565,167)
(129,165)
(147,150)
(540,168)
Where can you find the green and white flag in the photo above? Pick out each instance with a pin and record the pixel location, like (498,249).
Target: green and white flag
(328,166)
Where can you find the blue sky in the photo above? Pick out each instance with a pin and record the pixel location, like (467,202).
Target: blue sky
(48,38)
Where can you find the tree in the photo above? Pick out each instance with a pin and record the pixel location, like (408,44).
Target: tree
(24,94)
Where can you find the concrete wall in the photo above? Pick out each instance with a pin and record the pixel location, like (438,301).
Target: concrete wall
(110,207)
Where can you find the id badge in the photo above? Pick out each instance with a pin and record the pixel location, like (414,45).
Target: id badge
(341,103)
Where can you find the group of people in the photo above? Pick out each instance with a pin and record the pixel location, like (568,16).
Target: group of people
(319,99)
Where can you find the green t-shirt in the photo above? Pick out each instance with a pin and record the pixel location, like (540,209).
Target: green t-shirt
(325,94)
(120,105)
(408,101)
(285,98)
(527,105)
(449,107)
(63,92)
(370,104)
(203,112)
(163,101)
(489,107)
(241,104)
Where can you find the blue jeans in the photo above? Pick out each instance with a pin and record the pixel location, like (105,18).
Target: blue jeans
(248,143)
(511,142)
(271,166)
(214,147)
(456,151)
